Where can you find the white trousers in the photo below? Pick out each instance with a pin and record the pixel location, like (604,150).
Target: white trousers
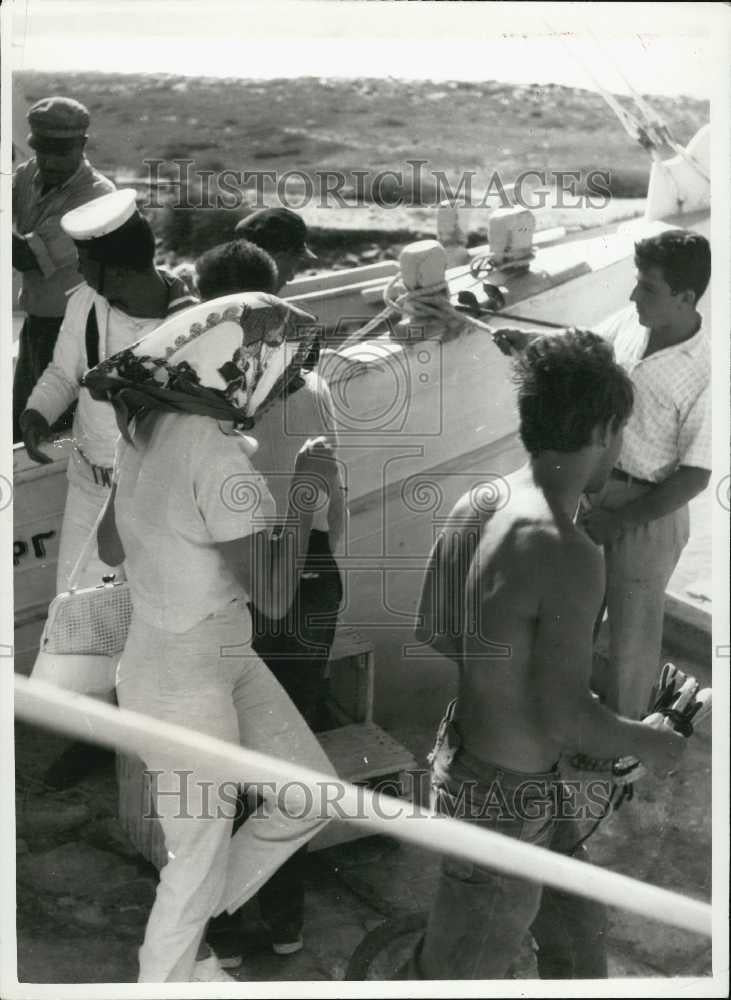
(639,564)
(84,503)
(209,680)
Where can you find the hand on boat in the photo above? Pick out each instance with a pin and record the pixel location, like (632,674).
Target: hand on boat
(35,430)
(316,458)
(509,340)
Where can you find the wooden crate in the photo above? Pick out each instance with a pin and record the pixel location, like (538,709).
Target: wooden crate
(351,672)
(364,754)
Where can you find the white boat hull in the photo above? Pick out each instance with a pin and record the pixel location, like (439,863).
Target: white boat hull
(418,429)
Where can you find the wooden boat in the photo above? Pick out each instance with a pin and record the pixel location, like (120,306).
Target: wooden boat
(421,422)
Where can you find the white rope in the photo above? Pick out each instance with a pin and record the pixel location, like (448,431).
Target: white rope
(655,130)
(628,121)
(79,716)
(654,120)
(422,306)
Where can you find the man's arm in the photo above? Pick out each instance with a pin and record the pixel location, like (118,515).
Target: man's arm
(572,577)
(23,257)
(52,249)
(687,481)
(58,386)
(337,510)
(680,487)
(512,340)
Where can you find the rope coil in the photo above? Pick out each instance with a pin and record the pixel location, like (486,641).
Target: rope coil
(421,306)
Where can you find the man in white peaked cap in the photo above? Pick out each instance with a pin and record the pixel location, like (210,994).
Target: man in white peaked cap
(123,297)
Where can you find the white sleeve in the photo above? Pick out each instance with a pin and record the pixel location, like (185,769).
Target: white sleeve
(232,497)
(58,386)
(695,433)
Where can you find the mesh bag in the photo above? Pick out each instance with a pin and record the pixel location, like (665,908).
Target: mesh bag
(93,621)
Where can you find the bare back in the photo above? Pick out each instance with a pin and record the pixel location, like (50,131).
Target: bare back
(528,562)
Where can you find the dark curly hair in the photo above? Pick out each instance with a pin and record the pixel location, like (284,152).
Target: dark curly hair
(238,266)
(684,257)
(568,384)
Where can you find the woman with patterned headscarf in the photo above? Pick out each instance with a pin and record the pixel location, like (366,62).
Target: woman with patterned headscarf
(191,519)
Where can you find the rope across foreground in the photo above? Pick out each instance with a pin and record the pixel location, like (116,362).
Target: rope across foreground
(80,716)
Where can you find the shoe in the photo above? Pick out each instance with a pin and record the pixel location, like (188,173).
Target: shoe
(230,961)
(224,925)
(288,947)
(209,970)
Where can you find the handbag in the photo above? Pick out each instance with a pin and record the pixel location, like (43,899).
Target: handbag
(85,631)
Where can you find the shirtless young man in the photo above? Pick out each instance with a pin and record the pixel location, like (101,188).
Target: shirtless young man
(521,634)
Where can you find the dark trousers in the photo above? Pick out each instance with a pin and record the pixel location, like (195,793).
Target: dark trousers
(480,916)
(296,650)
(36,341)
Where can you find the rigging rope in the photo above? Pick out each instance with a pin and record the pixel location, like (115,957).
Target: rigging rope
(429,307)
(653,132)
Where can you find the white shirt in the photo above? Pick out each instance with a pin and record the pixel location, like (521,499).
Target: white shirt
(95,429)
(179,491)
(670,423)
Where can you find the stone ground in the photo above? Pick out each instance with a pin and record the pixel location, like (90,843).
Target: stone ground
(83,894)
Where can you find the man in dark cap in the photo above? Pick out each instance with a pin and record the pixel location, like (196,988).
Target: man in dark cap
(283,234)
(57,179)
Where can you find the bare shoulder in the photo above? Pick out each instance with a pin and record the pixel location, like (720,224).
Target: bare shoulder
(541,560)
(557,554)
(565,568)
(481,502)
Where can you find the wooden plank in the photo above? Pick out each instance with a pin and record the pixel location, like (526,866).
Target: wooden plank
(357,752)
(349,642)
(384,269)
(363,751)
(351,671)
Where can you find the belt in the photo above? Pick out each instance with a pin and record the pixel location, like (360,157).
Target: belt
(627,478)
(102,473)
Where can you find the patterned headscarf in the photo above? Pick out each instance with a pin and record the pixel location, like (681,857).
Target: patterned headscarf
(229,359)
